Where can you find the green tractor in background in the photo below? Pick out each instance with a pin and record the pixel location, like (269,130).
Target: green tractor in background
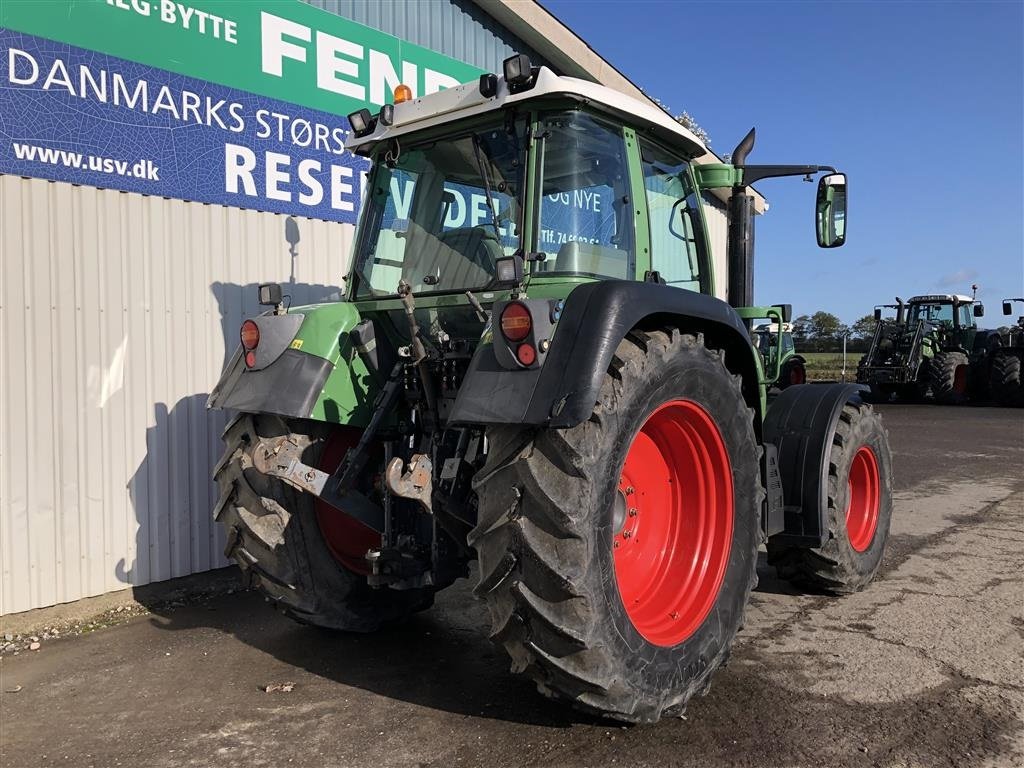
(531,370)
(1007,361)
(933,344)
(780,354)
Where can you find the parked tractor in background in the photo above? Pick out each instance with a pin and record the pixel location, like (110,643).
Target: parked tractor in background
(531,370)
(1007,361)
(933,344)
(779,353)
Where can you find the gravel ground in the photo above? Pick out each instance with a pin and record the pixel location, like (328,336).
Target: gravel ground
(924,668)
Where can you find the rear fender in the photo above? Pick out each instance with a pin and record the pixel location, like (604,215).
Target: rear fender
(310,369)
(800,425)
(596,317)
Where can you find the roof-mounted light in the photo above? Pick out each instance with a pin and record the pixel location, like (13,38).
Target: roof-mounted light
(518,72)
(387,115)
(402,93)
(488,85)
(362,122)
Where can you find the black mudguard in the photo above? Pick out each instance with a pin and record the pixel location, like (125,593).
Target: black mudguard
(800,424)
(596,317)
(289,386)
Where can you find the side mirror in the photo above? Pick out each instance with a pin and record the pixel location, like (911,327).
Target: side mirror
(830,211)
(291,231)
(1007,308)
(878,313)
(979,310)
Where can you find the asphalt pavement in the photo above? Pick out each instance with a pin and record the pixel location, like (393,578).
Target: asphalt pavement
(923,668)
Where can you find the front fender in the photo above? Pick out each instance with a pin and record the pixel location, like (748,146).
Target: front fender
(596,317)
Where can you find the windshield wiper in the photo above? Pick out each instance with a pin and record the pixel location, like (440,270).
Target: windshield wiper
(487,184)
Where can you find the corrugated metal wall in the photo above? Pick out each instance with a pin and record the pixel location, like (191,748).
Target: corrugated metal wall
(717,219)
(114,309)
(456,28)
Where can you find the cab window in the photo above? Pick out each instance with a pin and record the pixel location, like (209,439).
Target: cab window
(673,210)
(585,223)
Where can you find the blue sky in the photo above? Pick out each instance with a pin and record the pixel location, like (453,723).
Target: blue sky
(921,103)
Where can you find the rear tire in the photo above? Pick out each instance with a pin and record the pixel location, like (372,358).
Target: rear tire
(949,372)
(551,519)
(1007,387)
(274,536)
(859,510)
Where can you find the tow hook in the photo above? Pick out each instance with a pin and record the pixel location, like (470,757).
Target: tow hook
(415,483)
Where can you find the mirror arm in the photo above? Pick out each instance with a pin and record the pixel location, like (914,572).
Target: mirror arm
(754,173)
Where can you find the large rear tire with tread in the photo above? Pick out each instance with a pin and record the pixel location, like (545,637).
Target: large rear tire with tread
(274,536)
(949,373)
(560,509)
(859,510)
(1007,386)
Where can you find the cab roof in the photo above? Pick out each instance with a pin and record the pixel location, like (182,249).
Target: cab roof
(959,298)
(465,100)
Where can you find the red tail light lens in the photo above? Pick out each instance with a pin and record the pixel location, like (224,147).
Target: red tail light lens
(250,359)
(516,322)
(526,354)
(249,335)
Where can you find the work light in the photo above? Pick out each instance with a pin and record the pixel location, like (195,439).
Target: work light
(361,121)
(518,71)
(508,271)
(270,294)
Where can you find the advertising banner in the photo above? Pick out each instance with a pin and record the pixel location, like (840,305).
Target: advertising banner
(235,102)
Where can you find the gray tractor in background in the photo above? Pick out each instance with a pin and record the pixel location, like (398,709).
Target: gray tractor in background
(933,344)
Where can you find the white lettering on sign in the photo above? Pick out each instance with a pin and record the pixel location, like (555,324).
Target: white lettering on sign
(241,165)
(332,67)
(342,66)
(180,14)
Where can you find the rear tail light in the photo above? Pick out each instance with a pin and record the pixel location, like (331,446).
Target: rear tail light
(526,354)
(249,335)
(516,322)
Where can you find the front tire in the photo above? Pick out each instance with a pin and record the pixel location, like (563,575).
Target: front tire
(949,373)
(596,586)
(793,372)
(859,510)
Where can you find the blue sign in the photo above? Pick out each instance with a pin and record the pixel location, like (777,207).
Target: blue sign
(69,114)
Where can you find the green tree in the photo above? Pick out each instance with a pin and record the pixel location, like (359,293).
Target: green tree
(824,326)
(864,327)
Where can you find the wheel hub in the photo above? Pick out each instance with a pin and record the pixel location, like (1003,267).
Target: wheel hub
(674,500)
(863,499)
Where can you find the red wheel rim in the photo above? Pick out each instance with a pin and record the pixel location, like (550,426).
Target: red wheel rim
(960,379)
(346,538)
(675,501)
(797,375)
(862,499)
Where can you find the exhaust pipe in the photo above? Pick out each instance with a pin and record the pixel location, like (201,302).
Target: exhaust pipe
(740,256)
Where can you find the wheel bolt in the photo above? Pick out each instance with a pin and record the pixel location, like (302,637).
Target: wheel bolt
(630,489)
(673,615)
(632,511)
(626,534)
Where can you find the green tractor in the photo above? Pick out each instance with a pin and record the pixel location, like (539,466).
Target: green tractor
(1007,361)
(933,344)
(531,370)
(793,367)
